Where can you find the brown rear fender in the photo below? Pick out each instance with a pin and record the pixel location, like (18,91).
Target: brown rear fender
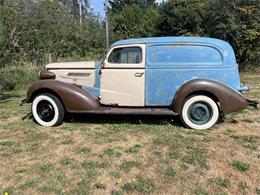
(230,100)
(73,98)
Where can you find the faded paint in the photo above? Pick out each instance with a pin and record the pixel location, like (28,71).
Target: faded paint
(169,63)
(95,90)
(123,84)
(183,62)
(70,65)
(75,76)
(121,87)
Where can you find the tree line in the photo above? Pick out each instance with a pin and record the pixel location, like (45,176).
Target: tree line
(30,30)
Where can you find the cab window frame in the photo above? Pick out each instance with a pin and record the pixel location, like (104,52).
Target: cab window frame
(142,46)
(138,52)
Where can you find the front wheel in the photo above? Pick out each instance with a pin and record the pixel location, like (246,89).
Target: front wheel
(47,110)
(200,112)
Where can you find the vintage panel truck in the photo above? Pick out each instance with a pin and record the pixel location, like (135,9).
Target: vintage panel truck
(195,78)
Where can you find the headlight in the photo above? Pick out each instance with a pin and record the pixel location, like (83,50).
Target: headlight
(45,74)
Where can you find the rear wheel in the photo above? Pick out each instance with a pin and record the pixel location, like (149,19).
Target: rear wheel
(47,110)
(200,112)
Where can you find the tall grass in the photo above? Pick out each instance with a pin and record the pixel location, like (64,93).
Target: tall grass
(17,77)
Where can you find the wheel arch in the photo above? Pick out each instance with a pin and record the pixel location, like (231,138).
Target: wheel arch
(41,90)
(214,89)
(45,90)
(206,93)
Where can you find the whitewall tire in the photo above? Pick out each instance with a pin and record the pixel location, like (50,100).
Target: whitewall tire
(47,110)
(200,112)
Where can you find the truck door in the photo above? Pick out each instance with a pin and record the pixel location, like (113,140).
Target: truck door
(122,79)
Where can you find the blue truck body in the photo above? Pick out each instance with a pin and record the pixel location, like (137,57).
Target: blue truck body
(173,61)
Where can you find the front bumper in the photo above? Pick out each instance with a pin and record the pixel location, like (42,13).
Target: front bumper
(253,103)
(243,88)
(24,101)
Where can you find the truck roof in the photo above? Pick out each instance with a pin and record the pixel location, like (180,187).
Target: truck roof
(206,40)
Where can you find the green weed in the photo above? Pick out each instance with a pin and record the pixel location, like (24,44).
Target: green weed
(142,185)
(127,165)
(8,190)
(29,183)
(251,146)
(100,185)
(169,172)
(7,143)
(89,165)
(200,191)
(45,168)
(49,187)
(196,157)
(174,155)
(242,185)
(240,165)
(117,193)
(133,148)
(115,174)
(112,152)
(246,138)
(67,141)
(66,161)
(83,150)
(20,170)
(221,182)
(62,177)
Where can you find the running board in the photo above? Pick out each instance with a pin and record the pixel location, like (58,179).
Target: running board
(132,111)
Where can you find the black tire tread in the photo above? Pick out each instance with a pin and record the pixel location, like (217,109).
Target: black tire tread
(59,106)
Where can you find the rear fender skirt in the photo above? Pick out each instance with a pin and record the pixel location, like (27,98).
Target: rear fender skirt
(73,97)
(230,100)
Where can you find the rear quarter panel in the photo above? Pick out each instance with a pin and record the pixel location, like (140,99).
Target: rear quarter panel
(164,77)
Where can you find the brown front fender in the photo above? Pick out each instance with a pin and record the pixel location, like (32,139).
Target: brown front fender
(230,100)
(73,98)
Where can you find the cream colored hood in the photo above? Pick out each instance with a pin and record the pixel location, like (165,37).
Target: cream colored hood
(71,65)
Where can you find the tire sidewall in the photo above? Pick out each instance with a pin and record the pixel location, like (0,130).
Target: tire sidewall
(36,101)
(191,101)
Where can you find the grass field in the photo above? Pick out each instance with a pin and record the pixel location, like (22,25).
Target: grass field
(123,154)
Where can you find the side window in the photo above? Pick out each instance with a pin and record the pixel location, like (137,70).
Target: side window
(184,54)
(126,55)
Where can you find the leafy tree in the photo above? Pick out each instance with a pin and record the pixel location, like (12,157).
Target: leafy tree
(235,21)
(118,5)
(30,30)
(133,18)
(238,22)
(182,18)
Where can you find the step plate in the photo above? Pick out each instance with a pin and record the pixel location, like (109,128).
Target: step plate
(132,111)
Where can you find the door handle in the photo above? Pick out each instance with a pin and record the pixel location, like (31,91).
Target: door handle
(139,74)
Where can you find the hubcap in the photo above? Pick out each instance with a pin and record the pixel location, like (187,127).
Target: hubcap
(200,113)
(45,111)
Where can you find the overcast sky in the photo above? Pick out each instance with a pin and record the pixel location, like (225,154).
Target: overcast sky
(98,6)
